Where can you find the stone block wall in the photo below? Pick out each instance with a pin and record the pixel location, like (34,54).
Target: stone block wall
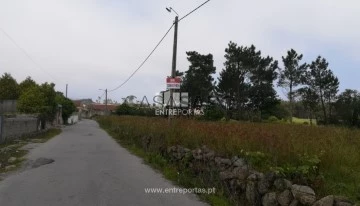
(16,127)
(253,188)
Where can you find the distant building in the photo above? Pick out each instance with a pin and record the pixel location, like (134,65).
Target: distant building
(87,108)
(83,107)
(102,109)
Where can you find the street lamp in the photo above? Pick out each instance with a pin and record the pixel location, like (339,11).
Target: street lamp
(171,9)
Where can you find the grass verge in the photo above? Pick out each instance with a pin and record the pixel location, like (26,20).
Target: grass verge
(169,169)
(328,156)
(13,149)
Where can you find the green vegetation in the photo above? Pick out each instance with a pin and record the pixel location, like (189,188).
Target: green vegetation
(302,121)
(9,89)
(326,158)
(128,109)
(155,159)
(33,98)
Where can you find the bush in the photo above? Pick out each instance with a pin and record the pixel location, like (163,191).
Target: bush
(298,151)
(213,113)
(125,109)
(273,119)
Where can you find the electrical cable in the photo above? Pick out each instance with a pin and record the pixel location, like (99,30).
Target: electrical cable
(158,44)
(27,55)
(193,10)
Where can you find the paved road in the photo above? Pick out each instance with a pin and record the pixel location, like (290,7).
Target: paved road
(90,168)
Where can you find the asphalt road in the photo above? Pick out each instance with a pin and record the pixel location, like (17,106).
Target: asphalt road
(90,168)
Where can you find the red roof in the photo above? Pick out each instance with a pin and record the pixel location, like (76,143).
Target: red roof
(102,107)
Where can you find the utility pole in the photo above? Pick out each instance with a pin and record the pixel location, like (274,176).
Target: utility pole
(66,90)
(106,100)
(173,69)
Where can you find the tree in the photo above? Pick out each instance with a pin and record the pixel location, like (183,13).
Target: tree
(246,82)
(262,94)
(129,99)
(322,80)
(26,84)
(348,107)
(292,75)
(68,106)
(51,107)
(32,101)
(9,88)
(310,100)
(39,100)
(198,81)
(178,73)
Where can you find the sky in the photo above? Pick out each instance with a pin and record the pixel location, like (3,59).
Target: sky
(97,44)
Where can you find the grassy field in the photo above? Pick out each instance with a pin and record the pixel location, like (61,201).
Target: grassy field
(332,153)
(303,121)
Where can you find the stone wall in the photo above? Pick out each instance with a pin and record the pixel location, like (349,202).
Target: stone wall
(7,106)
(16,127)
(249,186)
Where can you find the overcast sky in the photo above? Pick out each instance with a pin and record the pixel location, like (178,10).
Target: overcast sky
(94,45)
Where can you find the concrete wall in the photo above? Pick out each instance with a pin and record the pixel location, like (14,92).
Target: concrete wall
(16,127)
(7,106)
(73,119)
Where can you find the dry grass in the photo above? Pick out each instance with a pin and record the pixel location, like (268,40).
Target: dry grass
(337,148)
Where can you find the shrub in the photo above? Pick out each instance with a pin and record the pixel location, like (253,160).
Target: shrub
(126,109)
(273,119)
(213,113)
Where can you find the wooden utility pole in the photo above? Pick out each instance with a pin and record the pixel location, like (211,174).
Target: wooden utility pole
(173,68)
(106,100)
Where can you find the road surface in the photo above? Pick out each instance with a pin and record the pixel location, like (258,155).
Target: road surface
(90,169)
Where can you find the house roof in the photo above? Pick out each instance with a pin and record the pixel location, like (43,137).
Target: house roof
(102,107)
(82,102)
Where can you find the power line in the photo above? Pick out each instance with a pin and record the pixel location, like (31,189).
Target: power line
(144,60)
(194,10)
(102,95)
(26,54)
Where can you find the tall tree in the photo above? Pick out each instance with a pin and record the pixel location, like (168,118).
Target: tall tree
(68,106)
(32,101)
(246,82)
(348,107)
(9,88)
(26,84)
(51,107)
(198,80)
(262,93)
(40,100)
(310,100)
(292,75)
(322,80)
(234,82)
